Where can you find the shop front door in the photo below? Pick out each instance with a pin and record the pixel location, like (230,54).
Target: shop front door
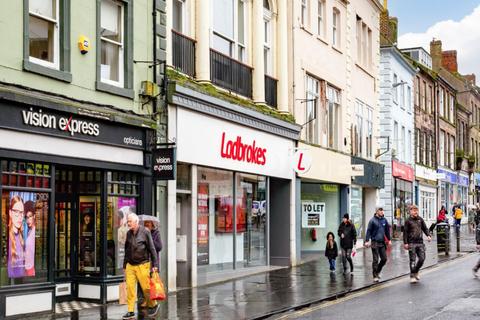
(65,248)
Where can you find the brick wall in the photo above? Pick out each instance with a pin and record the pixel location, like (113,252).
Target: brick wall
(449,60)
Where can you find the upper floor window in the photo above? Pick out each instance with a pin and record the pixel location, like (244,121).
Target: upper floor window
(46,41)
(425,97)
(312,95)
(442,102)
(334,114)
(452,107)
(267,43)
(321,18)
(304,13)
(229,28)
(409,98)
(336,28)
(417,91)
(44,32)
(178,15)
(430,100)
(115,47)
(395,88)
(112,42)
(402,96)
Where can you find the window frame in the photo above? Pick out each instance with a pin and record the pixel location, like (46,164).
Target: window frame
(60,70)
(311,131)
(336,22)
(268,41)
(304,13)
(335,105)
(126,89)
(321,18)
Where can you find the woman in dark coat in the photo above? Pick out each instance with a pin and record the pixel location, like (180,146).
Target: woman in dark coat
(331,251)
(348,239)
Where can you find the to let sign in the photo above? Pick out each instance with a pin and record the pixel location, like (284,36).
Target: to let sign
(313,215)
(164,164)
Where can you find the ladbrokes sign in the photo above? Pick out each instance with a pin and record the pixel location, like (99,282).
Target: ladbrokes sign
(240,151)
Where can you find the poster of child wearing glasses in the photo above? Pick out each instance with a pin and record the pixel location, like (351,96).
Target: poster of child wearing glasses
(21,234)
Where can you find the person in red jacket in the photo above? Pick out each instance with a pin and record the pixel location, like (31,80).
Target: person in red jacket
(442,215)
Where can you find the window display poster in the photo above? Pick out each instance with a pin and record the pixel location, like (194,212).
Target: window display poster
(202,224)
(125,206)
(22,211)
(87,236)
(224,214)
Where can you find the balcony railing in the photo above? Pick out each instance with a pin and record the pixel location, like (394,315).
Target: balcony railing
(183,53)
(271,91)
(230,74)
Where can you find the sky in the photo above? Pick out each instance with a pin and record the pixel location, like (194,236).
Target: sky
(455,22)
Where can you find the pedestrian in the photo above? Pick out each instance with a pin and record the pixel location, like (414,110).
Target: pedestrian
(442,215)
(413,242)
(378,231)
(477,238)
(458,214)
(348,239)
(476,219)
(139,251)
(331,251)
(157,242)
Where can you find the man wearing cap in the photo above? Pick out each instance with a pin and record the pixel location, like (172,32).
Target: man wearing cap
(378,232)
(413,241)
(348,238)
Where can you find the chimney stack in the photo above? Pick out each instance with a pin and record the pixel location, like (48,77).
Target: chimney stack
(471,79)
(436,53)
(449,60)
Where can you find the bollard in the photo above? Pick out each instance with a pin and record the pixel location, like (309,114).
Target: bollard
(457,228)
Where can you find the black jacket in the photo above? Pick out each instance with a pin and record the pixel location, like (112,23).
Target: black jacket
(139,248)
(331,253)
(412,232)
(349,235)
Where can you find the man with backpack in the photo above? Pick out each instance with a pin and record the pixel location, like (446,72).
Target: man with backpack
(413,241)
(378,232)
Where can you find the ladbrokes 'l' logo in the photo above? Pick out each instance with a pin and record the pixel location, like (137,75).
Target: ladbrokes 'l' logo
(236,150)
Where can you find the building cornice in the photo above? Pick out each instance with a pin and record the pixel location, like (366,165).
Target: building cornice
(190,99)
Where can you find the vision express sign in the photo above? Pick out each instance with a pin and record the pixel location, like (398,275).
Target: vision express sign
(70,126)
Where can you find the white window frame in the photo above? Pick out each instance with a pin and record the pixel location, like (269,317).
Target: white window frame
(395,88)
(442,102)
(312,96)
(442,148)
(56,38)
(359,128)
(369,133)
(304,13)
(452,108)
(333,104)
(336,23)
(321,18)
(268,41)
(234,43)
(121,49)
(183,24)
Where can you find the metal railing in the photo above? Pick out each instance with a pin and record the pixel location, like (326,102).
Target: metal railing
(230,74)
(183,53)
(271,91)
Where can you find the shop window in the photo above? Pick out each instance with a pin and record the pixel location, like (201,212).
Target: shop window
(123,193)
(25,174)
(24,225)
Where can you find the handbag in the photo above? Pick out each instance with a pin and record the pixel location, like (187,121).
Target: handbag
(122,293)
(157,289)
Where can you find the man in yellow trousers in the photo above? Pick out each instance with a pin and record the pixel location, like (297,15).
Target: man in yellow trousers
(139,251)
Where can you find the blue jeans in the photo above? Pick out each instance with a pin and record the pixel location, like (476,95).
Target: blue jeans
(332,264)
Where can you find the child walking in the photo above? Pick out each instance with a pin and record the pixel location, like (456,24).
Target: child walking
(331,251)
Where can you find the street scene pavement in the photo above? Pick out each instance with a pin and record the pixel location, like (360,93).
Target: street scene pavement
(445,292)
(270,295)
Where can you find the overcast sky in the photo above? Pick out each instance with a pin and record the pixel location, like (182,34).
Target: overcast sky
(455,22)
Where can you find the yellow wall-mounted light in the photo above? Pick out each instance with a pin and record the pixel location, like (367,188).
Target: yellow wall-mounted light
(83,44)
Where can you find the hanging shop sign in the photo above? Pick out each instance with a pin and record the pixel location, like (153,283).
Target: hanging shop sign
(70,126)
(164,164)
(313,215)
(402,171)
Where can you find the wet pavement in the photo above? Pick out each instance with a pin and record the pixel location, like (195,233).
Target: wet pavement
(262,295)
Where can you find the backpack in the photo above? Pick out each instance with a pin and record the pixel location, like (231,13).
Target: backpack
(458,213)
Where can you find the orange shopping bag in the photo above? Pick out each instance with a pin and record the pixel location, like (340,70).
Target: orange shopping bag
(157,290)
